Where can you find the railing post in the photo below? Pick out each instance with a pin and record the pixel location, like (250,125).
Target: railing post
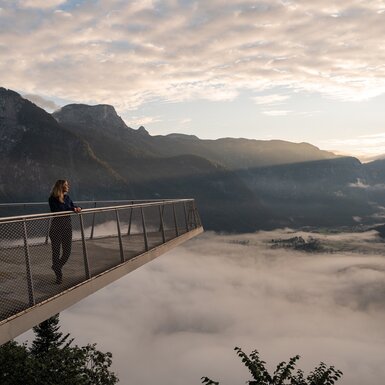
(48,227)
(175,221)
(129,221)
(144,230)
(85,256)
(185,215)
(161,223)
(119,235)
(93,223)
(196,219)
(28,266)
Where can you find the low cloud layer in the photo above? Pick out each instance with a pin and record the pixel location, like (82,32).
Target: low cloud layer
(179,317)
(126,53)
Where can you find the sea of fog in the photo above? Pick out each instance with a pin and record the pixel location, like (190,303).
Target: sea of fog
(179,317)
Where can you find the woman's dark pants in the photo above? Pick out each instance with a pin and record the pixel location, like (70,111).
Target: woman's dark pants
(61,237)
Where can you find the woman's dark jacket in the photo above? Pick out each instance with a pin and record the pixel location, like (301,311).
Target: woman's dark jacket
(57,206)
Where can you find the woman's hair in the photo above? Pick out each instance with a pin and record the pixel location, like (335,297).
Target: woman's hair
(57,188)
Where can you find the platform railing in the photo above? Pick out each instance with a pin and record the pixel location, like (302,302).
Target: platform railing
(83,245)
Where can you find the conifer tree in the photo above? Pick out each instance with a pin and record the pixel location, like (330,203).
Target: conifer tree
(53,360)
(48,336)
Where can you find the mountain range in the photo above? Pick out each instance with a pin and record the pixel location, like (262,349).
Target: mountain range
(239,184)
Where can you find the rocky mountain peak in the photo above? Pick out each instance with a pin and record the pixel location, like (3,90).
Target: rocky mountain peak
(142,131)
(100,117)
(10,104)
(18,117)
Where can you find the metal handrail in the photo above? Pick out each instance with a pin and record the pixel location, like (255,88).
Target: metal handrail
(18,204)
(97,209)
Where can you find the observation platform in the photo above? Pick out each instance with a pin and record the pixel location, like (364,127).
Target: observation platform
(109,240)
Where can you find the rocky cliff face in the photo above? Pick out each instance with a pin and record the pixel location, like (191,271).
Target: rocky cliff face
(101,126)
(11,129)
(102,118)
(36,151)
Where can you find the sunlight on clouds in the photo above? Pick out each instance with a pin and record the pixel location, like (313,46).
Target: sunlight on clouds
(59,12)
(270,99)
(364,145)
(137,121)
(126,53)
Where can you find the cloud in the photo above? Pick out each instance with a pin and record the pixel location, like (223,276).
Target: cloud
(270,99)
(126,53)
(368,146)
(277,112)
(179,317)
(361,185)
(137,121)
(48,105)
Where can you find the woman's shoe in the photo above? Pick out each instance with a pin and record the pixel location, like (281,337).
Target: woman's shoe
(59,277)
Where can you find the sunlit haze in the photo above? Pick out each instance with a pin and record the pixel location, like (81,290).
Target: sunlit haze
(293,70)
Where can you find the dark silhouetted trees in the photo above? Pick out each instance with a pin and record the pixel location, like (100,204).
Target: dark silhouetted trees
(284,374)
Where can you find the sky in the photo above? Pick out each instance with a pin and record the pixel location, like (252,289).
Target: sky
(303,71)
(179,317)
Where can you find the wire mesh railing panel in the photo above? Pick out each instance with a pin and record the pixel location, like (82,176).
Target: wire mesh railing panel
(154,226)
(102,251)
(134,238)
(43,255)
(14,289)
(23,209)
(39,247)
(181,217)
(104,224)
(135,225)
(168,221)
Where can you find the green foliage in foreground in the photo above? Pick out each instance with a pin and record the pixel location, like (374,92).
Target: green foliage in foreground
(52,360)
(284,373)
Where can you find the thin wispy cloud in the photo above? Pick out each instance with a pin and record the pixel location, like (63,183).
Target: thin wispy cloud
(270,99)
(277,112)
(373,144)
(39,3)
(125,53)
(141,120)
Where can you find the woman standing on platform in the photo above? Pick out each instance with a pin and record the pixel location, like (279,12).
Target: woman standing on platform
(61,227)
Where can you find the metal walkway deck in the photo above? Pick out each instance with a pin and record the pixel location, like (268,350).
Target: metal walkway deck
(107,243)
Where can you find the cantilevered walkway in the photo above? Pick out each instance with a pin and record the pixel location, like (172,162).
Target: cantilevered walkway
(109,240)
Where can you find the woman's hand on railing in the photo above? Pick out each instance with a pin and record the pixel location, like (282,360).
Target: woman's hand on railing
(77,209)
